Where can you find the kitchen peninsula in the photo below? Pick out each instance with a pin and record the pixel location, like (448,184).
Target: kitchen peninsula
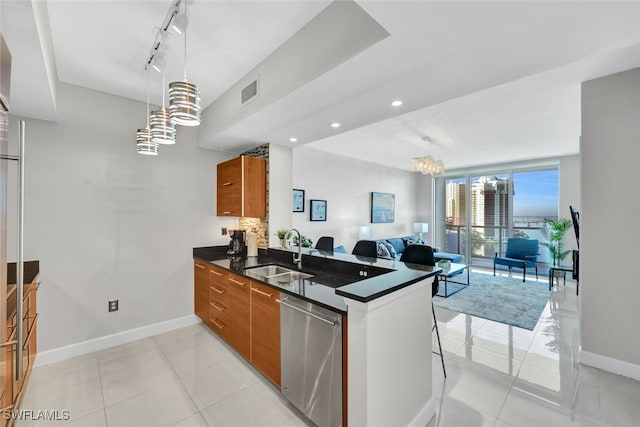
(384,361)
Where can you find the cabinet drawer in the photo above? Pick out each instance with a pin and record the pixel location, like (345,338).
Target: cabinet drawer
(218,292)
(218,325)
(237,284)
(217,276)
(218,309)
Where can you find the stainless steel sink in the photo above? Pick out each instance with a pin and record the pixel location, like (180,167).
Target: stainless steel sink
(277,273)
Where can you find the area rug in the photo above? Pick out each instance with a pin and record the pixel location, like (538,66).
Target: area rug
(503,299)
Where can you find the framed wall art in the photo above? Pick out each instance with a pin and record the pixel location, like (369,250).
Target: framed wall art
(298,200)
(383,207)
(318,209)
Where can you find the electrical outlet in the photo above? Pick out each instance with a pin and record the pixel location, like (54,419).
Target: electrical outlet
(113,305)
(224,231)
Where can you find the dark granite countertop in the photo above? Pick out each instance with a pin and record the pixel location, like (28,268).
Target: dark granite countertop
(334,275)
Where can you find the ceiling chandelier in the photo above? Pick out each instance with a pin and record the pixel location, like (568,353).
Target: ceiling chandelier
(428,165)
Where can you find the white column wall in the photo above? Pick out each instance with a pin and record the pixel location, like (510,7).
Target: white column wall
(609,228)
(280,187)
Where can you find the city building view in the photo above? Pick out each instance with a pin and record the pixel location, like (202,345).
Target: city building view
(499,206)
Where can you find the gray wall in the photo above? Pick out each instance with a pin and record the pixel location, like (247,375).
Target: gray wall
(107,223)
(610,231)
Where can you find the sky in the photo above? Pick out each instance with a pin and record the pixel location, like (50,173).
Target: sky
(536,193)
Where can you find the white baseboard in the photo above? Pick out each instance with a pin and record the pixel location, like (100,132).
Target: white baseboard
(97,344)
(610,364)
(425,414)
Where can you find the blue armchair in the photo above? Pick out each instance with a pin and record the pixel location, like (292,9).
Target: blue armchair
(521,253)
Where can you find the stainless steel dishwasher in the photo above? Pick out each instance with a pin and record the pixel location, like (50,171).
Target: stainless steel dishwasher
(311,358)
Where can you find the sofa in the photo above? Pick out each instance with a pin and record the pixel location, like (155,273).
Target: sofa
(393,247)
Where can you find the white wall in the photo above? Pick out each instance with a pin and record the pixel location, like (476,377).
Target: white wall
(569,186)
(610,231)
(108,223)
(346,184)
(280,186)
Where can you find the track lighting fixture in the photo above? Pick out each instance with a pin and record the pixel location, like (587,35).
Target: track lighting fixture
(184,97)
(163,131)
(144,144)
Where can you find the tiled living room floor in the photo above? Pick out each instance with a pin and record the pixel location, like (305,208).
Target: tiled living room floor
(498,375)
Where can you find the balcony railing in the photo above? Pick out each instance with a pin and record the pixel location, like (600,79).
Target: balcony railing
(486,240)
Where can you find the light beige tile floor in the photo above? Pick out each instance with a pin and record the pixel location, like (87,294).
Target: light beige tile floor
(497,375)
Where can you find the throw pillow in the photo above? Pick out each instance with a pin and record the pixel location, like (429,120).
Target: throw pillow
(397,243)
(383,252)
(392,252)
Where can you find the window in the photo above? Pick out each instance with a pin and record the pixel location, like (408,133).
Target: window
(491,207)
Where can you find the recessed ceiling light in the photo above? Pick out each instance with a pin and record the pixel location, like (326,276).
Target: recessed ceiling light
(293,139)
(396,103)
(335,125)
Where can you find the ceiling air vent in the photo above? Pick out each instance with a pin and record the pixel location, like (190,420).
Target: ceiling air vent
(250,91)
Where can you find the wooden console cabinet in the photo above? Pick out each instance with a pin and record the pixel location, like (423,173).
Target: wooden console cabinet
(242,187)
(244,313)
(14,387)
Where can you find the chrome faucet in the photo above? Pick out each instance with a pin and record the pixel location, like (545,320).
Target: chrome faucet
(298,259)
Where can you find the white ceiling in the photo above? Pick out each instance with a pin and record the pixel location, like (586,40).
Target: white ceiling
(492,81)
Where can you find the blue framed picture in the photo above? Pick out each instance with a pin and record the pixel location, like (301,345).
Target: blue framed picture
(318,210)
(298,200)
(383,207)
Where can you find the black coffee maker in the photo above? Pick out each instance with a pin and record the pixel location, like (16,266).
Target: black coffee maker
(238,244)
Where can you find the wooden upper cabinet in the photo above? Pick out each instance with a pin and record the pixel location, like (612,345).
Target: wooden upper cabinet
(242,187)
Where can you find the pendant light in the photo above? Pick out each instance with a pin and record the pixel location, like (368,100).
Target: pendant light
(163,131)
(428,165)
(144,143)
(184,97)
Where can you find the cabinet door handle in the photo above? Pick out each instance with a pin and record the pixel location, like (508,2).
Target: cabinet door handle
(8,408)
(217,324)
(8,343)
(216,273)
(217,290)
(236,282)
(197,265)
(226,184)
(33,327)
(226,212)
(261,293)
(217,307)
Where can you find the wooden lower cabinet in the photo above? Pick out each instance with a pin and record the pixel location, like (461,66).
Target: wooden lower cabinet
(201,290)
(265,330)
(244,313)
(229,309)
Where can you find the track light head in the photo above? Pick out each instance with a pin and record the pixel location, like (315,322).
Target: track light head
(159,62)
(180,23)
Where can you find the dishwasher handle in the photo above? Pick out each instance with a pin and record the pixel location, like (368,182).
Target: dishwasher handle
(308,313)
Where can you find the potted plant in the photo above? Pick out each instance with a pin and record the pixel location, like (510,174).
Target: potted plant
(306,242)
(555,230)
(284,235)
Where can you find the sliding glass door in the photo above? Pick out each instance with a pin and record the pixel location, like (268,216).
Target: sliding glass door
(481,211)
